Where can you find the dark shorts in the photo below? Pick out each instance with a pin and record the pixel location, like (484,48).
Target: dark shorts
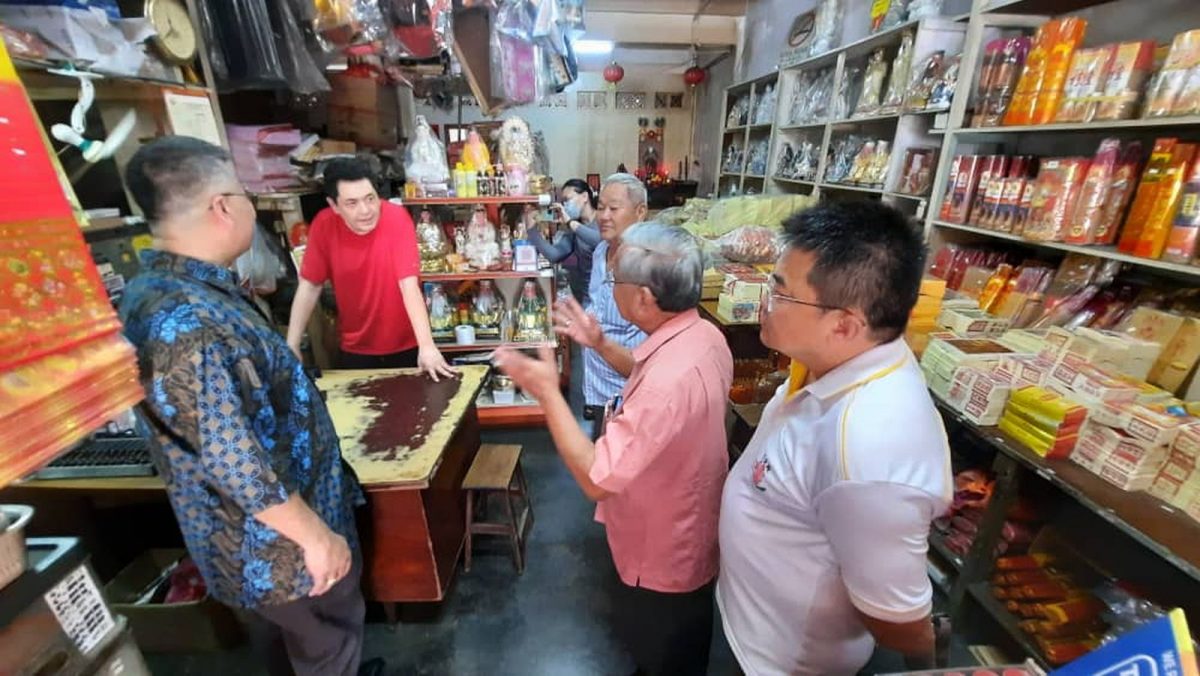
(395,360)
(666,634)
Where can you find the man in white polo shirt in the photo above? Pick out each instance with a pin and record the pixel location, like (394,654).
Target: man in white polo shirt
(825,517)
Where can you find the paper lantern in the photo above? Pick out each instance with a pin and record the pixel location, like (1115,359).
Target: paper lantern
(614,73)
(694,76)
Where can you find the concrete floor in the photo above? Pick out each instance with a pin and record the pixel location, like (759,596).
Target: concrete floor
(553,620)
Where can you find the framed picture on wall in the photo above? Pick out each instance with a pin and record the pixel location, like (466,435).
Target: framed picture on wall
(631,100)
(593,181)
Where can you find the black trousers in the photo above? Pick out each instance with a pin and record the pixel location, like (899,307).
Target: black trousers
(667,634)
(395,360)
(314,636)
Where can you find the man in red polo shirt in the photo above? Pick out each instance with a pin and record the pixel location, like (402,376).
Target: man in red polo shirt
(368,248)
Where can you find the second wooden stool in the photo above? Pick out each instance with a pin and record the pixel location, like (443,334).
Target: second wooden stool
(497,469)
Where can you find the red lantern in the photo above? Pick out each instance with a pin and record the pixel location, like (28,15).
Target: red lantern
(614,73)
(694,76)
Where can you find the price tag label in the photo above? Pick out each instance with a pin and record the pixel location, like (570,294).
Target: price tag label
(80,609)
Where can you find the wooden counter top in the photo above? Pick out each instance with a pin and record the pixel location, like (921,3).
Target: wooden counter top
(394,424)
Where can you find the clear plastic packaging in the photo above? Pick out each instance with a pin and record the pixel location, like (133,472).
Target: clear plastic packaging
(943,90)
(923,80)
(839,108)
(827,27)
(1096,185)
(347,22)
(924,9)
(425,158)
(901,70)
(872,88)
(887,14)
(749,244)
(1174,90)
(515,60)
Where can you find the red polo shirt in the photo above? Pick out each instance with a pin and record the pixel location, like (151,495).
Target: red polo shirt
(366,271)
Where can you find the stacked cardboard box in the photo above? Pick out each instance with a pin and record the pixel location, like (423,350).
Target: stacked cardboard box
(922,321)
(978,394)
(1127,444)
(944,356)
(740,296)
(971,321)
(1178,482)
(1045,422)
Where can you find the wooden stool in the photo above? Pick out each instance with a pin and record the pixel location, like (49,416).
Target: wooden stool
(497,468)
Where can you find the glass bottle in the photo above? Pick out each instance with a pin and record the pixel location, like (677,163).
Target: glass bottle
(531,314)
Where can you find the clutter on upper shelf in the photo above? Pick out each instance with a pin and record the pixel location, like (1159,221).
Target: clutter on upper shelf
(798,163)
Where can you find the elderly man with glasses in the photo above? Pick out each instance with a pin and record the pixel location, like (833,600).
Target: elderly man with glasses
(825,517)
(657,470)
(238,431)
(604,334)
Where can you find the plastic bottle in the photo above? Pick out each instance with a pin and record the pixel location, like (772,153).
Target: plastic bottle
(471,181)
(460,180)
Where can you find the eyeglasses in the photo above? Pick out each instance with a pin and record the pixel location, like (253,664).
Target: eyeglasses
(609,280)
(770,295)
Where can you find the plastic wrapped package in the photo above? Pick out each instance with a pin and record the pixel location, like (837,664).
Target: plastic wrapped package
(901,71)
(24,45)
(916,97)
(886,14)
(347,22)
(572,17)
(1008,61)
(420,28)
(1096,185)
(872,89)
(514,57)
(924,9)
(839,107)
(241,44)
(1120,193)
(1084,82)
(827,27)
(425,158)
(1059,185)
(516,144)
(750,244)
(943,89)
(1174,90)
(1123,83)
(303,74)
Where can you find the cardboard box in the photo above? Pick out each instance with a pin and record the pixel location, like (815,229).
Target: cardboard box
(1187,442)
(737,310)
(364,111)
(1024,340)
(944,356)
(1149,427)
(1023,370)
(978,395)
(743,286)
(1178,358)
(203,625)
(1088,385)
(970,322)
(1090,450)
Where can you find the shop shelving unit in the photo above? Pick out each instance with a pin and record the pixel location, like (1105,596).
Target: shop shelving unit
(524,411)
(992,18)
(1131,536)
(903,129)
(739,180)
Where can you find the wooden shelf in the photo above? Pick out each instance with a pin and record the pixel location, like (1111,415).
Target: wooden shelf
(485,345)
(475,276)
(1109,252)
(1007,621)
(762,126)
(493,417)
(468,201)
(757,177)
(854,188)
(803,125)
(794,181)
(1159,527)
(864,119)
(857,48)
(1094,127)
(44,85)
(729,130)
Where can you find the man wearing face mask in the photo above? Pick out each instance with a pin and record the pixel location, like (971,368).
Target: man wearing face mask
(368,248)
(577,235)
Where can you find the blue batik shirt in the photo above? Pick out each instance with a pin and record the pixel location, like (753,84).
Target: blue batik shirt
(235,426)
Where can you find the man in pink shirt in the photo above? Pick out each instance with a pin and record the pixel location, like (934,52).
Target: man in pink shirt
(657,471)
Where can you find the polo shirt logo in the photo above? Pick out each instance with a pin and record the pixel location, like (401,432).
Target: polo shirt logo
(760,473)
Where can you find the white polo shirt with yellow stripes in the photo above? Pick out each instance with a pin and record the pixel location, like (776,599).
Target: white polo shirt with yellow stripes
(828,511)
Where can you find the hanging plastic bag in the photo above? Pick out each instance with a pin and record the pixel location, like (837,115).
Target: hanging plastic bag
(241,44)
(349,22)
(260,266)
(425,157)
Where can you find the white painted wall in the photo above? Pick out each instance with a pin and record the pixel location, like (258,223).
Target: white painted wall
(710,102)
(596,141)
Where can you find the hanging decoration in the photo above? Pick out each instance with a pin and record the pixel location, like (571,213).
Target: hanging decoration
(613,74)
(694,76)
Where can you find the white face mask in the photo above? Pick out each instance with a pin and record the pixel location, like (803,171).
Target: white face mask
(574,208)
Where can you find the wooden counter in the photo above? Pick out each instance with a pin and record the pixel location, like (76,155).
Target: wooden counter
(409,440)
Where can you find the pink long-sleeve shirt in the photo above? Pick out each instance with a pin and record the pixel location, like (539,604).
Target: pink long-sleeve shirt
(664,457)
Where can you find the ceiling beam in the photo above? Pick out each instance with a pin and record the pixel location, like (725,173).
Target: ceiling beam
(662,29)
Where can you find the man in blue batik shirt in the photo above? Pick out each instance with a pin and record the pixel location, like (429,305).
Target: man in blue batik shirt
(238,431)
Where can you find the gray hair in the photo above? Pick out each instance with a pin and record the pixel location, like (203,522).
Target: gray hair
(633,187)
(167,174)
(665,259)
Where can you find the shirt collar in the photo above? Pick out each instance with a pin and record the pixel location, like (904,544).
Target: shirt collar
(670,328)
(209,273)
(876,362)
